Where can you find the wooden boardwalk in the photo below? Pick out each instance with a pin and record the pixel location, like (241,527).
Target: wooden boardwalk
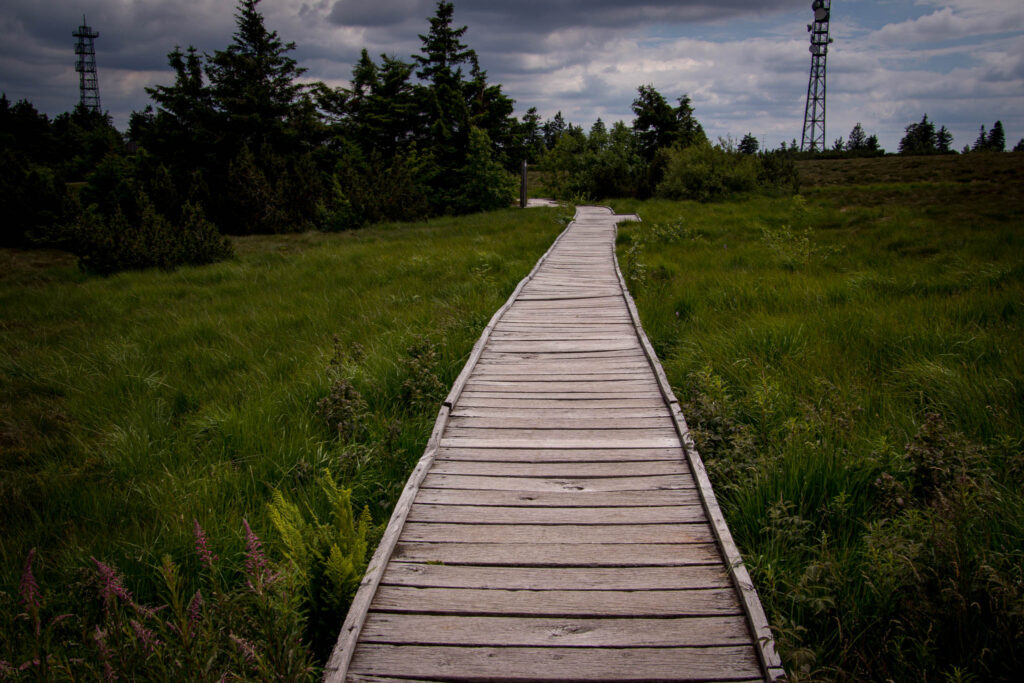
(560,525)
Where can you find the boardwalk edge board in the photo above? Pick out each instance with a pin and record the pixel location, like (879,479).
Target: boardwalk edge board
(768,657)
(336,669)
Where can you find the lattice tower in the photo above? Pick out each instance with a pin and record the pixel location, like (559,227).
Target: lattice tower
(85,65)
(813,138)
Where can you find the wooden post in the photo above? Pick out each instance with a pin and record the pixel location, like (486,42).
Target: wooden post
(522,188)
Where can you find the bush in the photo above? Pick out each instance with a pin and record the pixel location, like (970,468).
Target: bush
(705,173)
(107,245)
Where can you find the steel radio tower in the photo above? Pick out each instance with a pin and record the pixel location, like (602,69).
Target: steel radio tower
(813,139)
(85,65)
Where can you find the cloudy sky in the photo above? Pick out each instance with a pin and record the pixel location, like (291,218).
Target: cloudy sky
(744,63)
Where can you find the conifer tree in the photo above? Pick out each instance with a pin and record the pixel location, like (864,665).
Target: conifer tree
(858,139)
(981,142)
(996,141)
(254,81)
(749,144)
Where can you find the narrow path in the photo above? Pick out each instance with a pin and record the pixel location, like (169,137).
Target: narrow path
(560,525)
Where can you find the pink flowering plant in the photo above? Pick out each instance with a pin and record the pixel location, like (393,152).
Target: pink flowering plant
(241,623)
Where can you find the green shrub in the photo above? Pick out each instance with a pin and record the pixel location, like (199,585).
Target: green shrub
(705,173)
(107,245)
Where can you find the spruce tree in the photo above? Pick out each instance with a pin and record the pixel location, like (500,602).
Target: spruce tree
(996,141)
(858,139)
(981,142)
(254,82)
(749,144)
(944,141)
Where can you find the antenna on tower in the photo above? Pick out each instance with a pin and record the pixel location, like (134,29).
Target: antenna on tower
(813,139)
(85,65)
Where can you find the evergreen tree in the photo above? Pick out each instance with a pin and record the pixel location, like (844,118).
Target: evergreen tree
(858,139)
(1019,147)
(944,141)
(919,138)
(749,144)
(655,124)
(872,144)
(658,125)
(688,131)
(182,130)
(531,136)
(981,142)
(253,82)
(553,130)
(598,139)
(996,141)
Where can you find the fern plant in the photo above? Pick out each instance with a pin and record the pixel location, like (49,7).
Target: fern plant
(327,558)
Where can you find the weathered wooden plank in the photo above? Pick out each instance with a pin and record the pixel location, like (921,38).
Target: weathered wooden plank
(552,455)
(555,578)
(560,554)
(581,395)
(664,437)
(544,421)
(570,484)
(614,412)
(567,534)
(425,629)
(579,403)
(600,603)
(562,498)
(538,386)
(556,441)
(727,663)
(555,470)
(481,514)
(512,375)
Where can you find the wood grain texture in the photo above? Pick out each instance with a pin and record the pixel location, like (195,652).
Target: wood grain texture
(560,554)
(554,578)
(574,603)
(558,664)
(560,528)
(483,514)
(425,629)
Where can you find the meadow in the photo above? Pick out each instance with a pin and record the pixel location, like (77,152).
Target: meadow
(850,362)
(135,406)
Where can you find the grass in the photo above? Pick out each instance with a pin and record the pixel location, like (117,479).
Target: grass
(851,365)
(132,405)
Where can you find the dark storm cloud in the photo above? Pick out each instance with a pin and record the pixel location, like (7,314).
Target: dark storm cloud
(547,15)
(744,62)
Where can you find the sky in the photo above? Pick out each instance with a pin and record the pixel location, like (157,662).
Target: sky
(744,63)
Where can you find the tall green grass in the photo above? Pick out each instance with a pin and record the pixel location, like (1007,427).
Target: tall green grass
(851,365)
(133,404)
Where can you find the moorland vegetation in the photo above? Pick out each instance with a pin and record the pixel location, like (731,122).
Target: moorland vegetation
(197,463)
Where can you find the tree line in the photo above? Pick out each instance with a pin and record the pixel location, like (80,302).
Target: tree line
(238,145)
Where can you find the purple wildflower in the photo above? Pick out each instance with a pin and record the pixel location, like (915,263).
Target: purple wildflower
(105,654)
(195,612)
(247,648)
(144,636)
(6,668)
(30,595)
(255,561)
(206,556)
(29,664)
(111,584)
